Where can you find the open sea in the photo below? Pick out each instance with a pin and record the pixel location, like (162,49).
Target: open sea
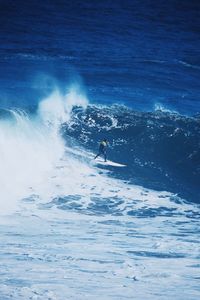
(71,74)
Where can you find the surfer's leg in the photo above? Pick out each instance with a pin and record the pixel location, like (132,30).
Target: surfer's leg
(105,156)
(97,155)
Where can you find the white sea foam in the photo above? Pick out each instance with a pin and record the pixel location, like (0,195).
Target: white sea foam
(186,64)
(160,107)
(31,147)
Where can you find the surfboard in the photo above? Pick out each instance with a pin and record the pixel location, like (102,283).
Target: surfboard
(90,156)
(99,161)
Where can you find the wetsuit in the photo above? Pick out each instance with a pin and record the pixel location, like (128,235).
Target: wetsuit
(102,150)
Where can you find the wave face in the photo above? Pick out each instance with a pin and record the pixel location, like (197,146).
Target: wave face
(161,149)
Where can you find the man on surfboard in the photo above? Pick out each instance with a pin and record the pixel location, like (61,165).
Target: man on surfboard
(102,149)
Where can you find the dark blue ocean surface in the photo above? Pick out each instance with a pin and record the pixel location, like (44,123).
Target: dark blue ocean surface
(144,54)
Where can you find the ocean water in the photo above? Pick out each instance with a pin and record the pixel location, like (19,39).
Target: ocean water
(71,74)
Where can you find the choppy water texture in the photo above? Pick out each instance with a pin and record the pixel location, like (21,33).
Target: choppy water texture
(72,74)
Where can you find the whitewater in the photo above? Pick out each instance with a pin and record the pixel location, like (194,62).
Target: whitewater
(71,229)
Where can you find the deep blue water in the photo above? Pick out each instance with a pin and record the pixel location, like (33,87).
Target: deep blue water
(144,54)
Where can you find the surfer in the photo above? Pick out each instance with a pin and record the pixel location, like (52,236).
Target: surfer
(102,149)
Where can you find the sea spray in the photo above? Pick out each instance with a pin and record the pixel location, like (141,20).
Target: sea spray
(31,146)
